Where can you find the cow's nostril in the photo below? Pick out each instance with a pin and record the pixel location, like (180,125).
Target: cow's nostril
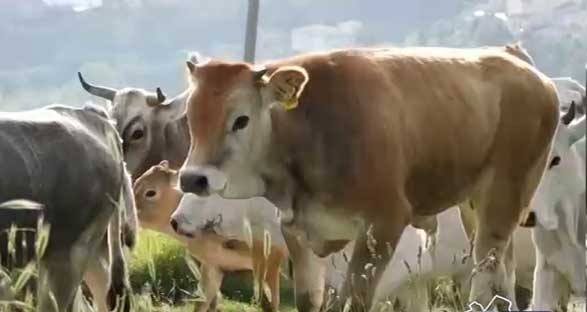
(194,183)
(201,183)
(173,224)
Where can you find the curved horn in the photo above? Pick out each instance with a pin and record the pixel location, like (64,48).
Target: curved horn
(568,117)
(157,99)
(160,95)
(103,92)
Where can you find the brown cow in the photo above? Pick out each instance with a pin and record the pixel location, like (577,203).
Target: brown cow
(156,198)
(361,142)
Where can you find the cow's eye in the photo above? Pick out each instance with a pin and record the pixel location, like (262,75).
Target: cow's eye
(137,134)
(556,160)
(150,194)
(240,123)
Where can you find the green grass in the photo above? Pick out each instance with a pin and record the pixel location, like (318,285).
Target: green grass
(229,306)
(163,282)
(158,270)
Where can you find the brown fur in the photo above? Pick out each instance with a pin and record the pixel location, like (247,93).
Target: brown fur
(392,134)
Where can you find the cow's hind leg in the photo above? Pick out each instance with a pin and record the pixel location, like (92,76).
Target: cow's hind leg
(499,207)
(97,277)
(497,216)
(60,275)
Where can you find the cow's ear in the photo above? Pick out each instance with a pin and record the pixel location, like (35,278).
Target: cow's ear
(287,84)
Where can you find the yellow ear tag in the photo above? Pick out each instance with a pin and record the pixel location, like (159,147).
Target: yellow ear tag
(290,104)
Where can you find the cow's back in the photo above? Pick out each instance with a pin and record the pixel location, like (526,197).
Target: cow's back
(58,161)
(427,120)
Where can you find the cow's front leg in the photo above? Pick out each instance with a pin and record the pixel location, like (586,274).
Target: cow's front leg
(309,272)
(549,285)
(373,249)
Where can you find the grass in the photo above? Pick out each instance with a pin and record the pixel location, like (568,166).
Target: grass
(163,282)
(159,274)
(226,306)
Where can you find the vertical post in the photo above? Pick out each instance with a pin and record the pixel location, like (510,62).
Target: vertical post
(251,31)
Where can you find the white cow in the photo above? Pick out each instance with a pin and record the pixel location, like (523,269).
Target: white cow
(562,223)
(569,90)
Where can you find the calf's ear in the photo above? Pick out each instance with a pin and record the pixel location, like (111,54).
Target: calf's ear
(287,84)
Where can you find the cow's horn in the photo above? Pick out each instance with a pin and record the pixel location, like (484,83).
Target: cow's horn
(160,95)
(103,92)
(568,117)
(157,99)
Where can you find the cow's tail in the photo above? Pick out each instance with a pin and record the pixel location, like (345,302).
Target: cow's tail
(126,201)
(118,291)
(130,225)
(122,231)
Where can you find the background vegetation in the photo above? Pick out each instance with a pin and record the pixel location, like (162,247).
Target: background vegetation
(144,42)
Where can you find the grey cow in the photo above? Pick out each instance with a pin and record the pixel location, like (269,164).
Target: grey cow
(70,161)
(152,128)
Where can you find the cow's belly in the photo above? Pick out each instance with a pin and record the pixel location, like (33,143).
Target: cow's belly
(432,194)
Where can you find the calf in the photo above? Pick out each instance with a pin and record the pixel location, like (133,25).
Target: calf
(218,251)
(70,161)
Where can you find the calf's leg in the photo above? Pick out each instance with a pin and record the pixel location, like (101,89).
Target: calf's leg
(210,286)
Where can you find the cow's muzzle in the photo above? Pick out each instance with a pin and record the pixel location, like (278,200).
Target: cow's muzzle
(202,181)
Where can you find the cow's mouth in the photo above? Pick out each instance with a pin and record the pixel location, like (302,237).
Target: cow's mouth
(185,233)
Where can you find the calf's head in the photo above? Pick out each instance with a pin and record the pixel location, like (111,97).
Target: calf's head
(156,196)
(229,115)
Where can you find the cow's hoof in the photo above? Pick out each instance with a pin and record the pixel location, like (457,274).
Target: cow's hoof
(266,304)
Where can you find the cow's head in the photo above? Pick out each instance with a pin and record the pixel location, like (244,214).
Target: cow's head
(156,196)
(564,179)
(149,124)
(231,126)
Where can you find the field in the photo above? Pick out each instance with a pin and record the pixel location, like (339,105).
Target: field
(160,274)
(164,282)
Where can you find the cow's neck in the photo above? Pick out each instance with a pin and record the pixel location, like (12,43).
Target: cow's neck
(279,171)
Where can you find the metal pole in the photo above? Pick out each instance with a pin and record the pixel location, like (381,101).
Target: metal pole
(251,31)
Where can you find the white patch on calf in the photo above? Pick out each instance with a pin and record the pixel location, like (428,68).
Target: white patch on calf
(228,218)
